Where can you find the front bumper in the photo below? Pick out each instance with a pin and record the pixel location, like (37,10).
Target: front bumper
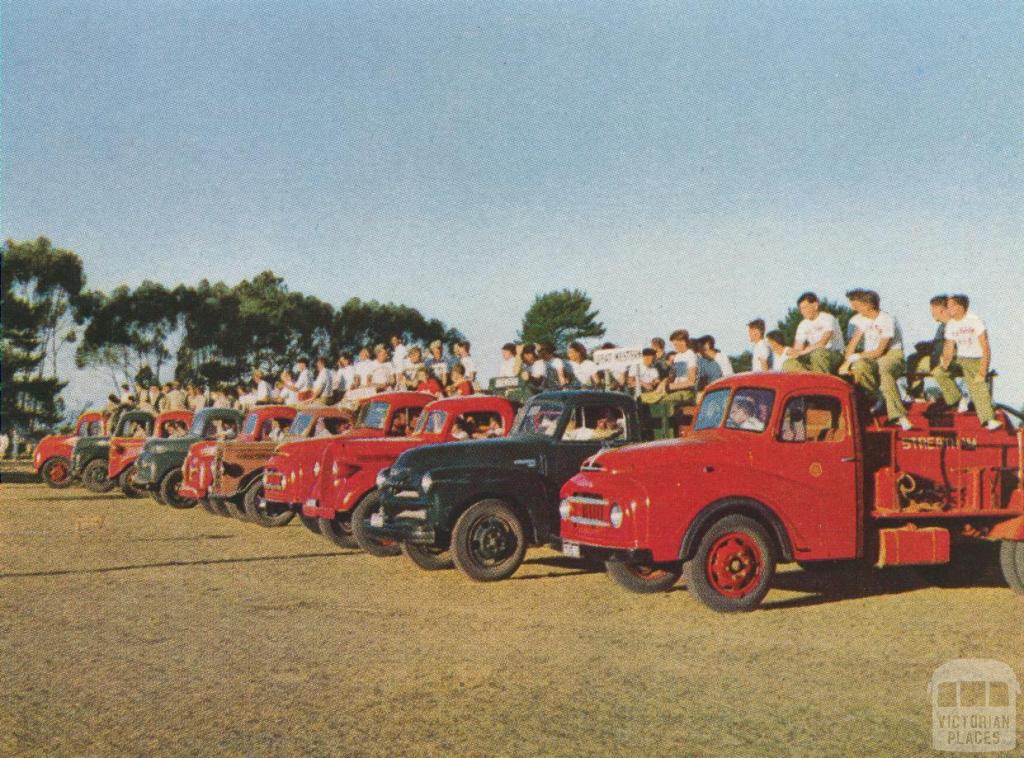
(413,531)
(640,555)
(145,472)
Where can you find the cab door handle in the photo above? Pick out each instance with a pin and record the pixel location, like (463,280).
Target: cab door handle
(849,459)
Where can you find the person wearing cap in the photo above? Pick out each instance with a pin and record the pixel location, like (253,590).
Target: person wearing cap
(966,353)
(819,343)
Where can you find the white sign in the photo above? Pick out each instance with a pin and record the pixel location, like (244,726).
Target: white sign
(618,357)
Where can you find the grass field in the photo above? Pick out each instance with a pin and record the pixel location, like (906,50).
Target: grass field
(130,628)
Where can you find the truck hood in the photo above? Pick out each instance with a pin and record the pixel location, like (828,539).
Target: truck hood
(159,445)
(91,443)
(493,452)
(659,455)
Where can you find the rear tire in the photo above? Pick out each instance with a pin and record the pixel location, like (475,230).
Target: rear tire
(169,490)
(1011,561)
(428,558)
(155,494)
(260,511)
(217,506)
(56,472)
(235,509)
(310,523)
(636,577)
(488,542)
(733,566)
(208,506)
(365,508)
(126,481)
(94,477)
(338,530)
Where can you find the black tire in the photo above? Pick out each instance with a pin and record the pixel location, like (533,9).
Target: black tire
(216,505)
(643,579)
(169,491)
(428,558)
(488,542)
(733,566)
(1011,561)
(208,506)
(56,472)
(313,524)
(94,477)
(259,511)
(155,494)
(360,514)
(338,530)
(235,509)
(126,481)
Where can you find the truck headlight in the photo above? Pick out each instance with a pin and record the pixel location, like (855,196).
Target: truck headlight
(615,515)
(426,482)
(565,509)
(382,477)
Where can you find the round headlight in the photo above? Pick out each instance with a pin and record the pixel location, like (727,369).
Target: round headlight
(564,509)
(382,477)
(316,469)
(426,482)
(615,515)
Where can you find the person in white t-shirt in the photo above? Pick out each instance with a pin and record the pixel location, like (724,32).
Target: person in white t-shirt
(779,351)
(463,356)
(262,392)
(398,353)
(303,380)
(645,374)
(323,384)
(582,369)
(819,342)
(383,376)
(344,376)
(880,363)
(364,368)
(510,360)
(682,381)
(760,353)
(966,352)
(708,350)
(534,370)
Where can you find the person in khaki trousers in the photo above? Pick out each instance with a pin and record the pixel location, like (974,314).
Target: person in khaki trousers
(966,353)
(881,362)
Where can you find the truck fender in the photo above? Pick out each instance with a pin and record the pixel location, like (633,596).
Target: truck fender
(247,480)
(523,489)
(735,505)
(1011,529)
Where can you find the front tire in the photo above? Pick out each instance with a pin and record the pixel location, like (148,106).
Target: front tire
(338,530)
(488,542)
(643,579)
(258,510)
(169,490)
(95,479)
(1011,561)
(216,505)
(365,508)
(56,472)
(733,566)
(310,523)
(428,558)
(126,481)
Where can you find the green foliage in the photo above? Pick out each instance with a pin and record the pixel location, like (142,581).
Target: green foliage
(788,325)
(560,317)
(742,362)
(40,287)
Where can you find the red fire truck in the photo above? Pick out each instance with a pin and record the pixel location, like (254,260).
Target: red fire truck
(793,467)
(52,458)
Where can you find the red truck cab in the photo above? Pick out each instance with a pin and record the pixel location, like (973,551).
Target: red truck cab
(791,467)
(52,457)
(291,473)
(197,470)
(124,450)
(345,490)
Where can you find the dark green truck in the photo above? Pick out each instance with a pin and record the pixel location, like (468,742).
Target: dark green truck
(91,454)
(480,503)
(158,468)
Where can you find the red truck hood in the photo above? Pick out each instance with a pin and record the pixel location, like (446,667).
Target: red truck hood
(637,459)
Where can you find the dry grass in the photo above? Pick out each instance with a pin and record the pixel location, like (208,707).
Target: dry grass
(130,628)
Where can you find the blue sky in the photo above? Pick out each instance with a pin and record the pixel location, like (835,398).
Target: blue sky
(687,164)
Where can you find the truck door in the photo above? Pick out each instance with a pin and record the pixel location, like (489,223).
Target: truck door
(817,462)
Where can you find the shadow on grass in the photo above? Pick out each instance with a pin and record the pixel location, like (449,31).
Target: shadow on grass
(168,564)
(574,566)
(19,477)
(74,497)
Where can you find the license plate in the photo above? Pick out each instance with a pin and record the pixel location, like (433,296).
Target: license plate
(377,519)
(571,549)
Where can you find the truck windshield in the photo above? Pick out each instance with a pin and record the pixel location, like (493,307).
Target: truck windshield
(712,409)
(300,424)
(540,418)
(372,415)
(431,423)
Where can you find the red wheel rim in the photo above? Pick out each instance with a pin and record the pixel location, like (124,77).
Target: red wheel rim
(58,472)
(734,565)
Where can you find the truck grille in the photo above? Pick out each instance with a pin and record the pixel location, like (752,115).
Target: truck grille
(589,510)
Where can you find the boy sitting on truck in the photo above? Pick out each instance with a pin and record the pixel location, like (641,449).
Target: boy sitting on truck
(819,343)
(967,352)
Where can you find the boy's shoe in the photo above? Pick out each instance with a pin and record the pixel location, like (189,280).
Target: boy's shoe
(904,423)
(993,425)
(965,404)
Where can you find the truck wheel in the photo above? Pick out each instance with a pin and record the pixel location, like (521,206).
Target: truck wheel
(169,490)
(261,512)
(155,494)
(428,558)
(338,530)
(310,523)
(488,542)
(94,477)
(126,481)
(216,505)
(56,472)
(733,566)
(636,577)
(235,509)
(363,510)
(1011,561)
(208,506)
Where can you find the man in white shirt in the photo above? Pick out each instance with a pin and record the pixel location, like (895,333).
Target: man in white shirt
(398,353)
(819,343)
(462,353)
(967,352)
(364,368)
(383,376)
(534,370)
(262,393)
(510,361)
(710,351)
(324,383)
(760,353)
(344,375)
(877,367)
(682,382)
(303,379)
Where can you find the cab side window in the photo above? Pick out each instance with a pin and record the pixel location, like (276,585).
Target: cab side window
(595,422)
(813,418)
